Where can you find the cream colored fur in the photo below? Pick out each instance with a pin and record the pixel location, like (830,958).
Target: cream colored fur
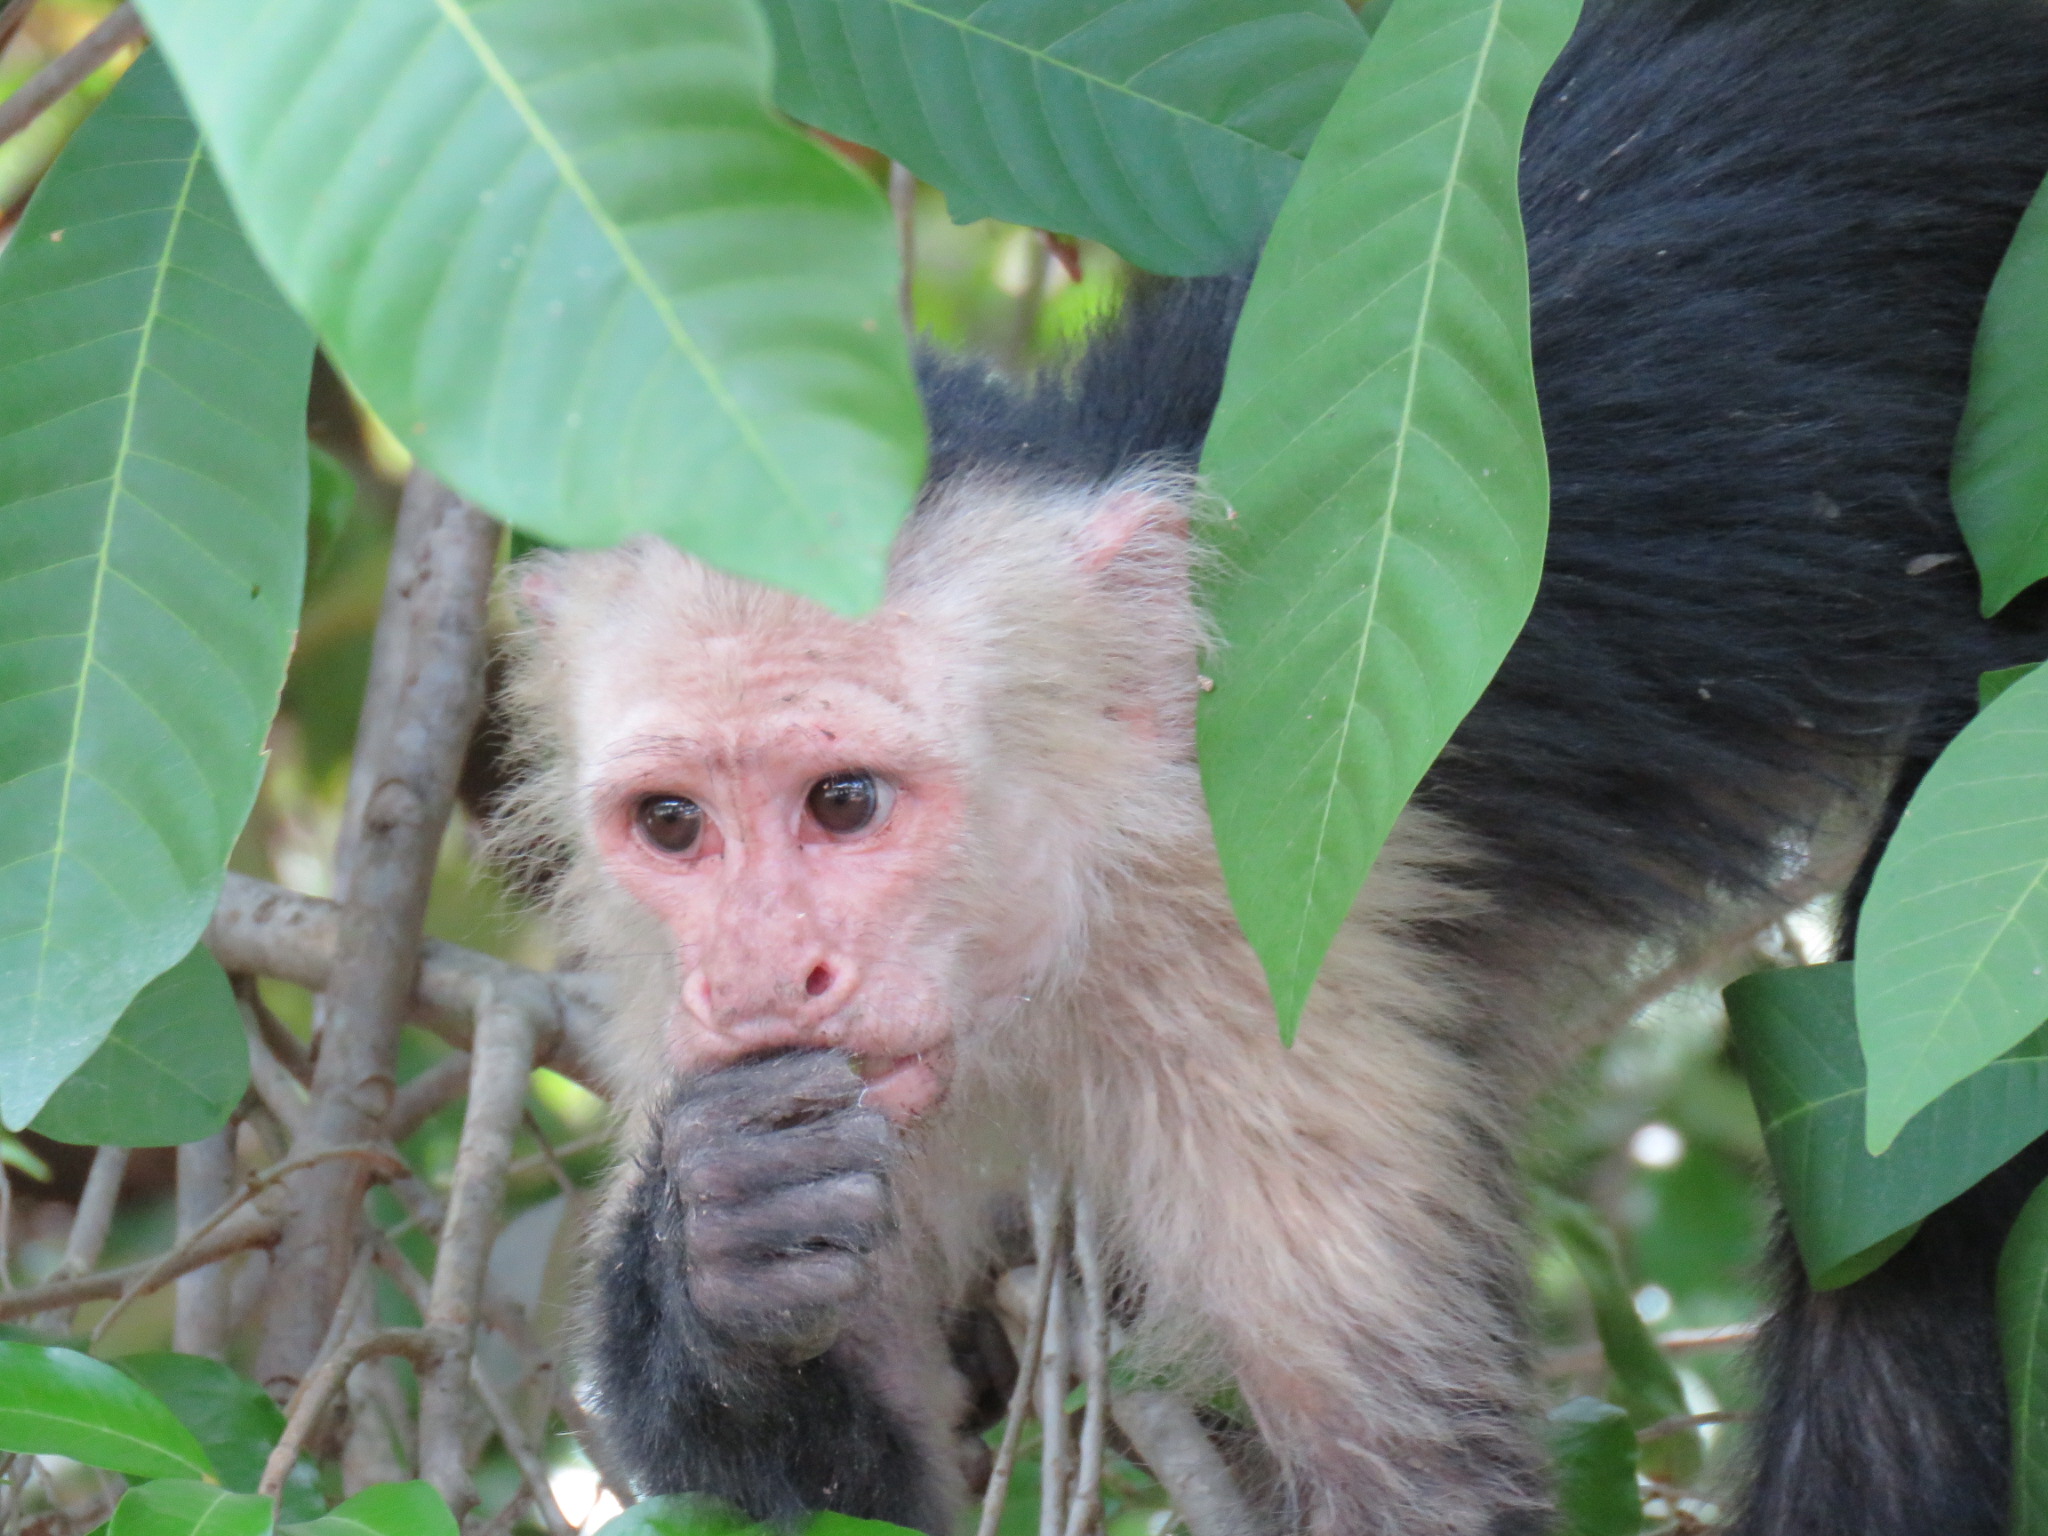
(1335,1224)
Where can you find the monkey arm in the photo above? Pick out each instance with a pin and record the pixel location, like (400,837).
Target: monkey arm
(741,1346)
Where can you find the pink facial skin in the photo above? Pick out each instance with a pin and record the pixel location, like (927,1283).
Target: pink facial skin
(789,935)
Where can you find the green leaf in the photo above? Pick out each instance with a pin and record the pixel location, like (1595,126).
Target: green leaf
(1795,1032)
(58,1402)
(1379,443)
(1593,1448)
(1169,130)
(152,546)
(1645,1384)
(189,1509)
(172,1071)
(1952,967)
(1999,482)
(684,1514)
(692,1514)
(2023,1336)
(389,1509)
(1991,684)
(232,1418)
(573,258)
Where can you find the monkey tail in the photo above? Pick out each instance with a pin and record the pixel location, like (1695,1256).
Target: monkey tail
(1884,1410)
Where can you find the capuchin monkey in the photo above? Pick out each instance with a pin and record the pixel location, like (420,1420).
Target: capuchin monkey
(897,905)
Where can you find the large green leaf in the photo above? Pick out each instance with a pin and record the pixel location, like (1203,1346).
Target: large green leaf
(58,1402)
(1795,1032)
(172,1071)
(2023,1335)
(1379,444)
(1169,130)
(1593,1447)
(1953,942)
(577,263)
(389,1509)
(152,546)
(176,1508)
(1999,482)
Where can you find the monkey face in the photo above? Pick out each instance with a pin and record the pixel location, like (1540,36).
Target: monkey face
(788,799)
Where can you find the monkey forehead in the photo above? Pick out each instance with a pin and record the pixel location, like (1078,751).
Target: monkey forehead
(811,691)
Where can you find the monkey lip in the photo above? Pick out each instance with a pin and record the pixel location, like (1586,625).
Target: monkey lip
(901,1087)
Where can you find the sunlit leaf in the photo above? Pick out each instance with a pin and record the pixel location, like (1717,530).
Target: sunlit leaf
(389,1509)
(1952,967)
(1379,443)
(1169,130)
(1593,1449)
(2023,1339)
(1644,1382)
(152,546)
(575,261)
(176,1508)
(1795,1032)
(58,1402)
(172,1071)
(1999,482)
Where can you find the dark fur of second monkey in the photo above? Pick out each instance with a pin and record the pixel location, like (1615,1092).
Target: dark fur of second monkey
(1760,236)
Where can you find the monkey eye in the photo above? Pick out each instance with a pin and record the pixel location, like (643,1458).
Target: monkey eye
(846,802)
(670,822)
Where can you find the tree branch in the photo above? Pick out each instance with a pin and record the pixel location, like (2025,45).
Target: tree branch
(249,1228)
(265,930)
(206,1182)
(501,1063)
(425,690)
(63,74)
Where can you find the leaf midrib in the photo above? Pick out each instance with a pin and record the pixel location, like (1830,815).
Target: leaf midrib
(565,166)
(103,560)
(1386,519)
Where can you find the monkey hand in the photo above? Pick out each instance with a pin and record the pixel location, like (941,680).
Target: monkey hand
(782,1175)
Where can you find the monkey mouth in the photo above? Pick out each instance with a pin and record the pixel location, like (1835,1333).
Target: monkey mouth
(901,1087)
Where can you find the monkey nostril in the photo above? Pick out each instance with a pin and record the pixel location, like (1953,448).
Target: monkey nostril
(819,981)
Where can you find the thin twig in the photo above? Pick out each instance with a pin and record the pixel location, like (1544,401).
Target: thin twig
(253,1229)
(287,1047)
(1084,1508)
(610,1475)
(311,1398)
(167,1267)
(6,1229)
(12,15)
(1681,1423)
(532,1467)
(92,1220)
(65,73)
(1582,1360)
(423,698)
(547,1157)
(282,1092)
(419,1099)
(501,1064)
(206,1182)
(1165,1433)
(522,1452)
(1053,1372)
(903,199)
(1043,1196)
(552,1157)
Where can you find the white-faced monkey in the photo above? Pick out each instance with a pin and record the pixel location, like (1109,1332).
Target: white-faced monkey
(898,904)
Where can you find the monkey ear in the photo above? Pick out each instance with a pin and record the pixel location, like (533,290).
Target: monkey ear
(1139,537)
(537,592)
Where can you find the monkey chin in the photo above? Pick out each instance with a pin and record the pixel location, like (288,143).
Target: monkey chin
(904,1088)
